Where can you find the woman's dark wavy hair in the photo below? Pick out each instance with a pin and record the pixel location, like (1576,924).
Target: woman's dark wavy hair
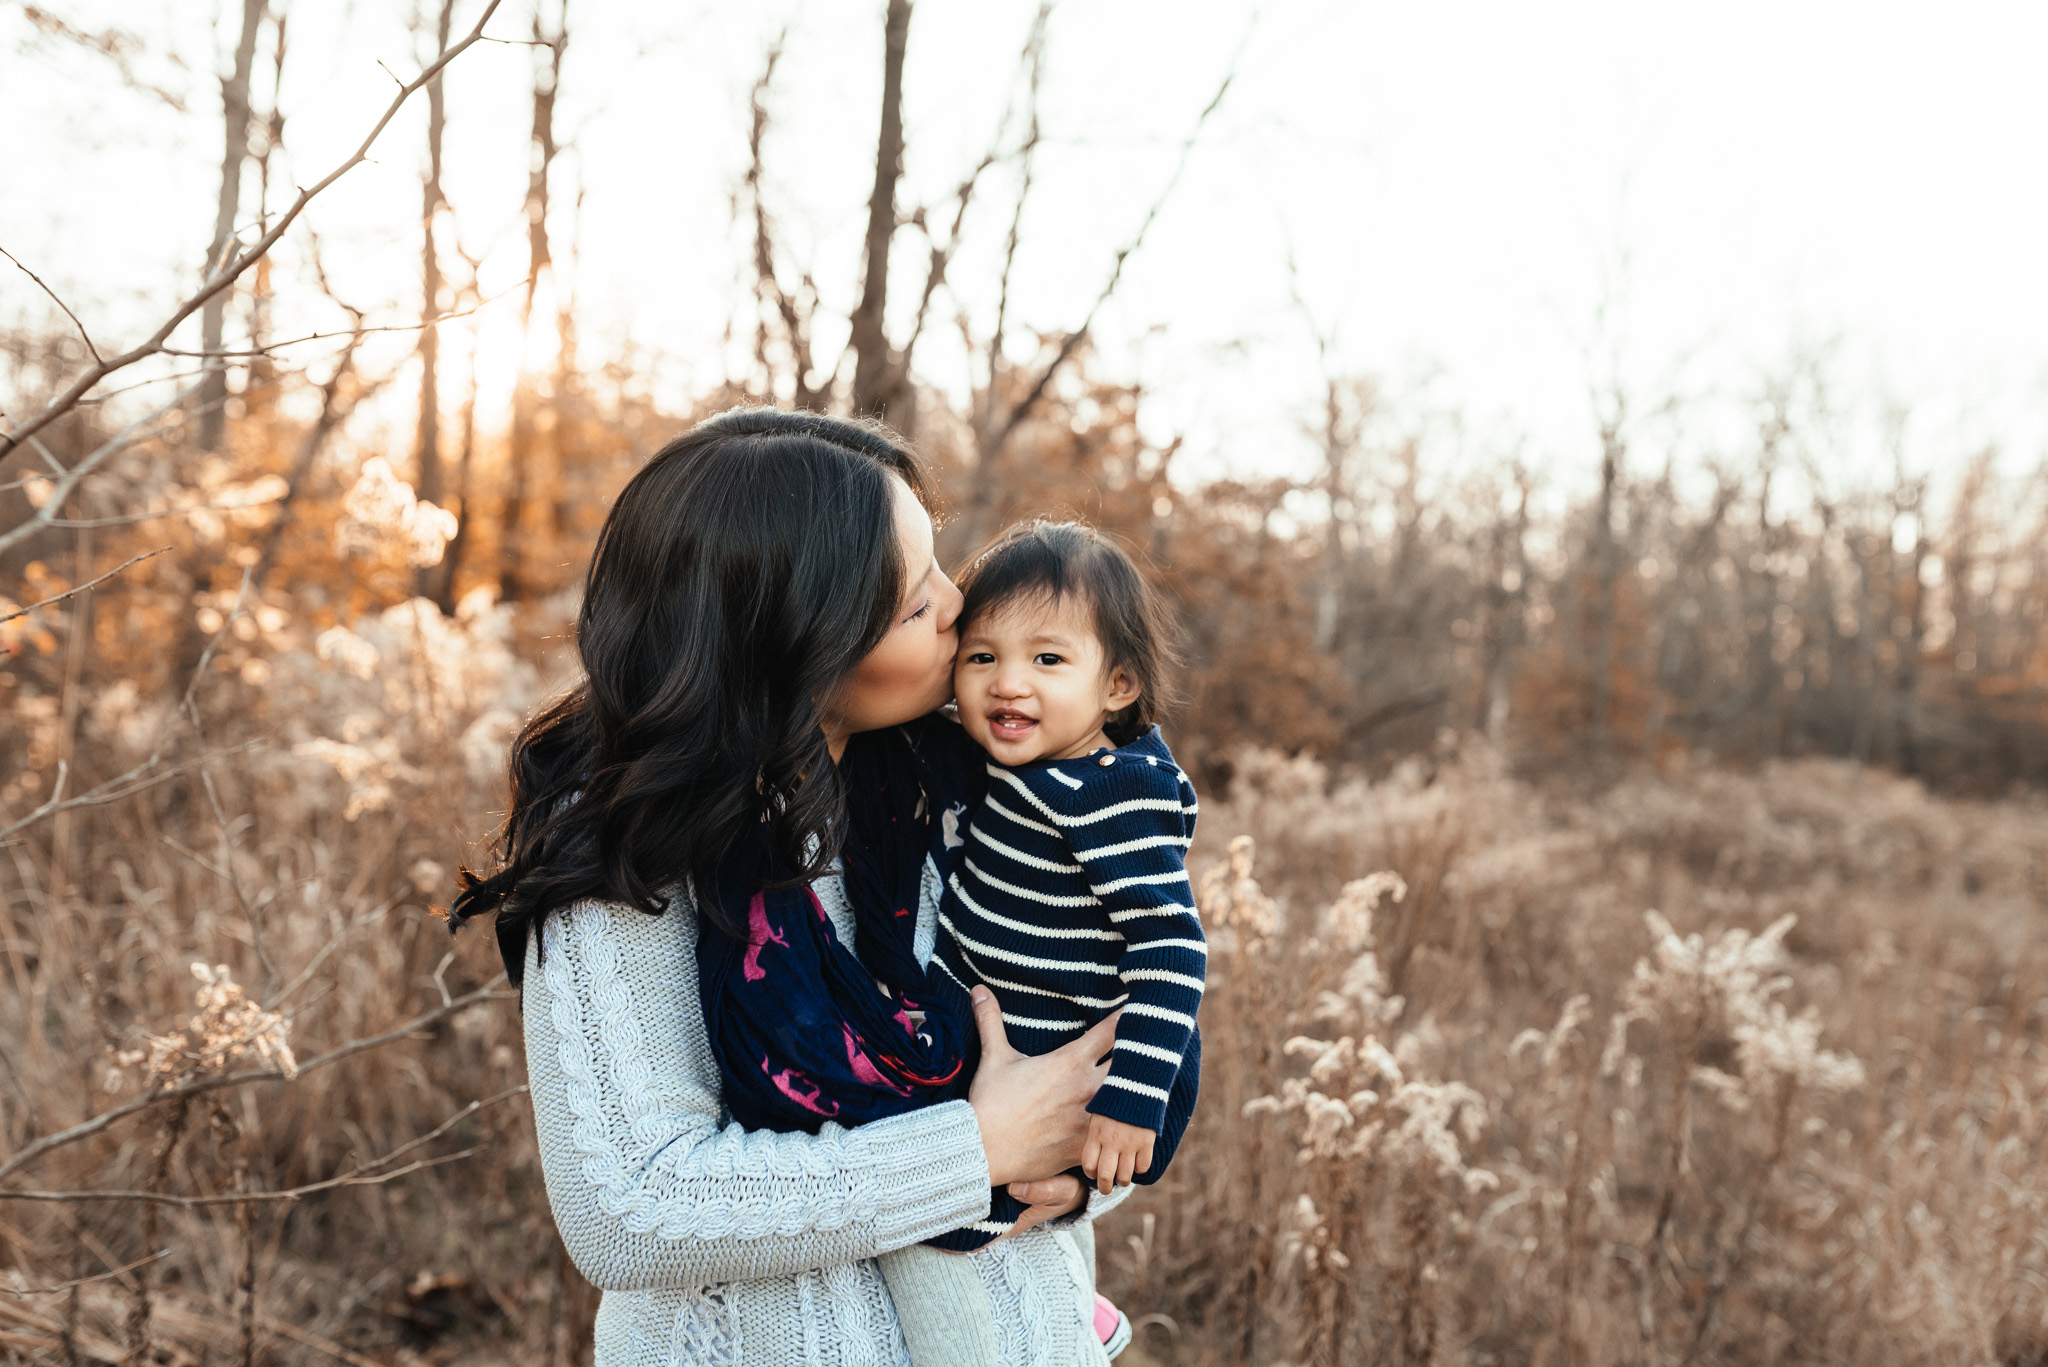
(1045,561)
(740,576)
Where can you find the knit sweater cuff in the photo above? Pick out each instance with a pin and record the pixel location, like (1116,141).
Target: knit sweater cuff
(1115,1103)
(931,1164)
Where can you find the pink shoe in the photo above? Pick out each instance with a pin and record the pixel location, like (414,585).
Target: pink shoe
(1111,1327)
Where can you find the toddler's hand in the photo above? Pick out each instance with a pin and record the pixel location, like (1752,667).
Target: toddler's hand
(1115,1152)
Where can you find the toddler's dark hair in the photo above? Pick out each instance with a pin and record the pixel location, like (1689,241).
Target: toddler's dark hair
(1049,561)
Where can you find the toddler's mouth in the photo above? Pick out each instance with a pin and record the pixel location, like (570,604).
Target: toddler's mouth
(1006,724)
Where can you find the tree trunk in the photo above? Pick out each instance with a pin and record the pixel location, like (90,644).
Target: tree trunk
(1605,574)
(877,385)
(547,76)
(234,93)
(427,447)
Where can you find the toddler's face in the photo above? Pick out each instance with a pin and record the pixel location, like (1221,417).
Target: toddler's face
(1032,682)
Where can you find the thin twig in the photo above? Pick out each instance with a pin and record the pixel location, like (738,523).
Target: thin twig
(305,974)
(120,442)
(90,583)
(361,1175)
(1072,341)
(269,347)
(198,1086)
(56,300)
(231,272)
(118,787)
(83,1281)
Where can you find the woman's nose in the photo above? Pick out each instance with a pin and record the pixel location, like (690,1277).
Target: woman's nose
(946,602)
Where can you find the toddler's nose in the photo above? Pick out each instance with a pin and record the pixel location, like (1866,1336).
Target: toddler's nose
(1010,683)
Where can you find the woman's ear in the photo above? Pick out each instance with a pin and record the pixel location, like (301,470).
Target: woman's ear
(1124,689)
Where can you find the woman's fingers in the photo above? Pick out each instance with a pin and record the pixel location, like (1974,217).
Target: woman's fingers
(988,1019)
(1048,1197)
(1063,1190)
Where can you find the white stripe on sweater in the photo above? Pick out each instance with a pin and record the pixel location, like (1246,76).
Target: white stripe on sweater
(1160,1013)
(1004,984)
(1158,1093)
(1193,946)
(990,804)
(1165,909)
(1029,861)
(1073,783)
(1043,899)
(1150,842)
(1033,1023)
(1044,932)
(1118,885)
(1136,804)
(1151,1051)
(996,771)
(1012,957)
(1161,975)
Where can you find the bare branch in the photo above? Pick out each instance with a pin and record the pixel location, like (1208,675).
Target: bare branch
(942,252)
(198,1086)
(375,1172)
(233,269)
(107,1276)
(1072,342)
(126,438)
(114,789)
(55,300)
(90,583)
(268,347)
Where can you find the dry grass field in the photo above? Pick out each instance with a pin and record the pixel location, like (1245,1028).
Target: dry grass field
(1706,1066)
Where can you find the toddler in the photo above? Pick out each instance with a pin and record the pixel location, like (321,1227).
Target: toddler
(1071,897)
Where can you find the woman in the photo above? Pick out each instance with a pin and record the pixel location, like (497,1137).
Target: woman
(763,591)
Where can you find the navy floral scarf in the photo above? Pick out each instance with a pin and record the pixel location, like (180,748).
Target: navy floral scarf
(804,1031)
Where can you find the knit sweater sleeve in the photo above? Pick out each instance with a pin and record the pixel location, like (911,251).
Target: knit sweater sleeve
(1128,826)
(651,1185)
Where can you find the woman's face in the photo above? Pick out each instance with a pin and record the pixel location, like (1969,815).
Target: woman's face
(911,672)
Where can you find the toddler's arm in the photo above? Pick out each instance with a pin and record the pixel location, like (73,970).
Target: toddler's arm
(1129,831)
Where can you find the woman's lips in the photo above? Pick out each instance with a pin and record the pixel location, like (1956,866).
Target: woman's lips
(1011,725)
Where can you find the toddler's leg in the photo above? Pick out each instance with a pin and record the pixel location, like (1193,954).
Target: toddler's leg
(943,1307)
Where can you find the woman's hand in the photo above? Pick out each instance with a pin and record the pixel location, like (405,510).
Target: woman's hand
(1048,1199)
(1032,1111)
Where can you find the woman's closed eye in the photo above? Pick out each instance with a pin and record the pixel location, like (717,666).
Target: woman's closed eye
(920,612)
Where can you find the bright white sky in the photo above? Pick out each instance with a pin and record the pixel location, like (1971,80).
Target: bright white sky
(1462,183)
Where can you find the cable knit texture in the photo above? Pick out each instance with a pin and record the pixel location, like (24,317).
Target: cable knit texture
(715,1245)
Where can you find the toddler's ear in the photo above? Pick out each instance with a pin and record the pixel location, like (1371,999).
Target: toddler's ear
(1124,689)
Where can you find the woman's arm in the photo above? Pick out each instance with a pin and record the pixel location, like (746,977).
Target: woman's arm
(648,1187)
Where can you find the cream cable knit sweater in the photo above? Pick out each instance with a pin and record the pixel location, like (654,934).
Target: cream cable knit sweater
(719,1246)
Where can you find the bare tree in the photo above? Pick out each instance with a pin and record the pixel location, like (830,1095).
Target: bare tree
(235,117)
(427,445)
(877,383)
(548,46)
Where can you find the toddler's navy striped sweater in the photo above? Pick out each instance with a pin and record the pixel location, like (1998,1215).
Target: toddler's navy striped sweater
(1071,899)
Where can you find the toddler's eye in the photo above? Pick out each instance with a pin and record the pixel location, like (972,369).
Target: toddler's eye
(1046,657)
(981,657)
